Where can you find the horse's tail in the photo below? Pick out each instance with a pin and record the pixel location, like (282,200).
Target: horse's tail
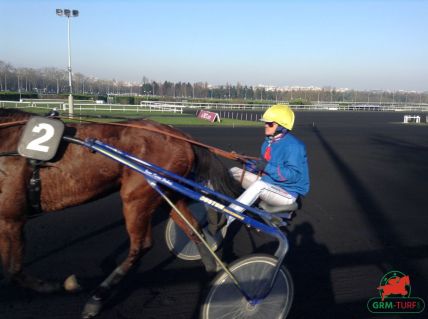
(208,167)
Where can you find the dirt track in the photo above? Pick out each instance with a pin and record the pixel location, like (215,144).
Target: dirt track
(366,215)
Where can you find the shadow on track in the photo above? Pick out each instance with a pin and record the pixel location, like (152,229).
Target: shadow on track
(405,152)
(310,267)
(394,256)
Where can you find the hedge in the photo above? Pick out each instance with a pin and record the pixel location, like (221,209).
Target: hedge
(15,96)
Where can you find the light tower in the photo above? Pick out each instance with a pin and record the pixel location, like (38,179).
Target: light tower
(69,14)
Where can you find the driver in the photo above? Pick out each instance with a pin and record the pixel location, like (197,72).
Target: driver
(53,113)
(281,175)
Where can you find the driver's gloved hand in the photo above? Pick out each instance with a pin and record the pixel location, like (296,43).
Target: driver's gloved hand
(261,164)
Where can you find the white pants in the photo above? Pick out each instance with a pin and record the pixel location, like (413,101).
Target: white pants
(255,188)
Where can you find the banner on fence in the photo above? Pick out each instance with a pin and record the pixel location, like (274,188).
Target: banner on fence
(207,115)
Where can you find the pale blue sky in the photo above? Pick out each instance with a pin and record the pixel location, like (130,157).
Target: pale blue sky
(377,44)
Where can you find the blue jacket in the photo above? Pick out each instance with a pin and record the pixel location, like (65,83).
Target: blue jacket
(288,165)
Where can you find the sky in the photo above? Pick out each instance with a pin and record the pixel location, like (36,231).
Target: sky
(363,45)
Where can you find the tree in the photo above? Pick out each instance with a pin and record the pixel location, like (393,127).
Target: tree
(5,70)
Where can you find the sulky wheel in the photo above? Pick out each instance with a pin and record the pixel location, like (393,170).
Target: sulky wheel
(224,300)
(180,245)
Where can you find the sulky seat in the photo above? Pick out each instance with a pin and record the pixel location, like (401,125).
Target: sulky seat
(284,211)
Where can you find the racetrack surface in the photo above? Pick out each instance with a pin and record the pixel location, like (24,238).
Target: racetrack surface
(366,215)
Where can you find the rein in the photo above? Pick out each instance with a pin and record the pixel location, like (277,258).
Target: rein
(230,155)
(6,124)
(33,188)
(12,153)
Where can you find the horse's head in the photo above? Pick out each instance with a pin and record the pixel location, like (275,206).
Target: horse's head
(405,280)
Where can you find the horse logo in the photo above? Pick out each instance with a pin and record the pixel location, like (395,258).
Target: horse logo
(394,290)
(395,285)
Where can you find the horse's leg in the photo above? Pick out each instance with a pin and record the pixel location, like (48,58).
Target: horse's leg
(207,258)
(138,213)
(11,244)
(12,251)
(13,205)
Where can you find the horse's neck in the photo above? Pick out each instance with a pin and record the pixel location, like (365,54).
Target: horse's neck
(9,134)
(8,115)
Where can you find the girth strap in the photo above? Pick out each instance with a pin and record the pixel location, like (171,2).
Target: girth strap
(34,188)
(9,154)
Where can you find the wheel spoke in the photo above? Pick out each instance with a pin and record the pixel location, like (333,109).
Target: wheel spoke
(254,274)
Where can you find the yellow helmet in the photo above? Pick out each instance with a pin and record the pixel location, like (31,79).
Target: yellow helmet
(281,114)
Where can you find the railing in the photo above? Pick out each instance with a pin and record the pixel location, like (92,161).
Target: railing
(212,106)
(178,107)
(81,107)
(161,107)
(402,107)
(323,106)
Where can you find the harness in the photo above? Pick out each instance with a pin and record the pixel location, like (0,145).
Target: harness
(34,188)
(9,154)
(34,184)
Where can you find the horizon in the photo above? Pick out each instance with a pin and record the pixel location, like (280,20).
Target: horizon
(360,45)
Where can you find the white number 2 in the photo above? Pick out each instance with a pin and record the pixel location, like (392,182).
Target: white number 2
(35,145)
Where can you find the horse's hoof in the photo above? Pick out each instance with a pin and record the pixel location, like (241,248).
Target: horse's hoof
(92,308)
(48,287)
(71,284)
(35,284)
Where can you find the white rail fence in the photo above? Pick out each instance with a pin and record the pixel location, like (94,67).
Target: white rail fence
(180,107)
(81,107)
(320,106)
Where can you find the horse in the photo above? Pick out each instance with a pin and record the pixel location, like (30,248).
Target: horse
(395,286)
(75,168)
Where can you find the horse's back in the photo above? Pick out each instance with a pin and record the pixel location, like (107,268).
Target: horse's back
(77,175)
(80,174)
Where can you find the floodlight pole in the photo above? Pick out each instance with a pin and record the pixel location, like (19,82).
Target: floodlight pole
(70,83)
(69,14)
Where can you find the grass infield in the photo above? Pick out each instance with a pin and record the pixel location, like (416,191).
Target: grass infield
(169,118)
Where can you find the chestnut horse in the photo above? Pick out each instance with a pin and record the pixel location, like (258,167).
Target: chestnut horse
(76,176)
